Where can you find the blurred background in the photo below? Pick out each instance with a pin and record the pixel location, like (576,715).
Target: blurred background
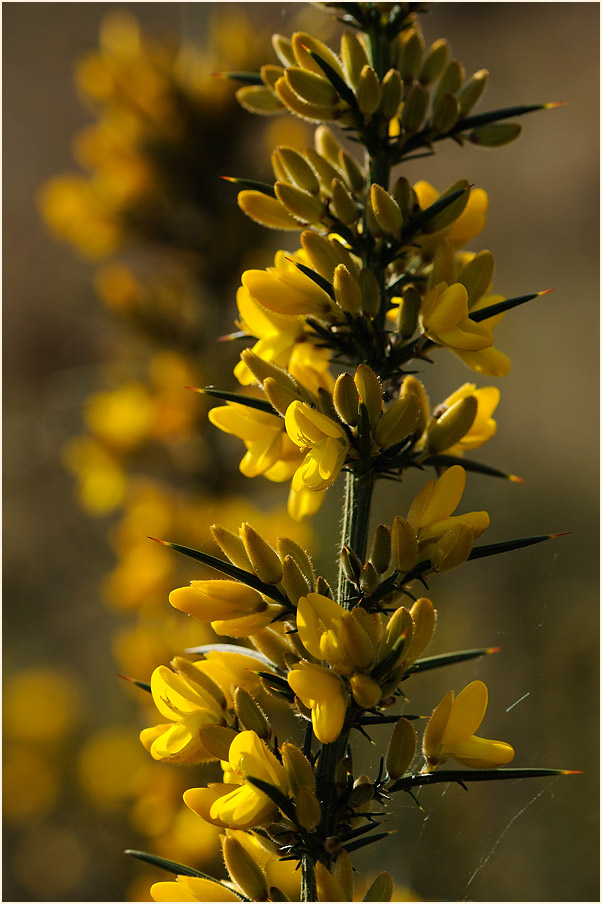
(123,251)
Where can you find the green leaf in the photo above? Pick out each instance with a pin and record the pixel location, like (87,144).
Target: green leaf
(416,223)
(240,399)
(501,306)
(436,662)
(266,188)
(475,466)
(473,775)
(481,119)
(245,577)
(179,869)
(141,684)
(493,549)
(363,842)
(277,797)
(315,277)
(335,80)
(250,78)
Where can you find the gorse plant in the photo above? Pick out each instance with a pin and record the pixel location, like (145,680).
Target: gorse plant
(341,328)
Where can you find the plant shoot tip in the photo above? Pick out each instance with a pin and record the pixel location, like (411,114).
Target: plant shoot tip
(564,533)
(514,479)
(546,292)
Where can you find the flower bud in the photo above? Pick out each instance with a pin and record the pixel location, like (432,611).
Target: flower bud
(343,205)
(450,82)
(270,74)
(324,256)
(455,423)
(398,422)
(402,192)
(343,873)
(293,581)
(327,887)
(366,691)
(424,617)
(495,134)
(217,739)
(401,749)
(303,108)
(453,548)
(476,276)
(471,91)
(370,292)
(232,546)
(413,385)
(259,99)
(346,399)
(311,87)
(283,49)
(297,768)
(347,292)
(391,92)
(288,547)
(381,889)
(297,169)
(244,870)
(193,674)
(250,714)
(323,587)
(351,564)
(368,91)
(398,636)
(352,170)
(303,43)
(361,793)
(273,646)
(412,49)
(265,561)
(327,145)
(404,545)
(409,309)
(354,57)
(415,107)
(308,810)
(434,62)
(370,392)
(325,171)
(381,548)
(261,369)
(266,210)
(387,213)
(302,205)
(280,397)
(445,113)
(359,648)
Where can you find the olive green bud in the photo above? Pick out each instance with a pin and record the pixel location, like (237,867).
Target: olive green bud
(232,546)
(397,638)
(265,561)
(323,587)
(297,768)
(453,424)
(343,206)
(259,99)
(188,669)
(354,57)
(412,49)
(278,168)
(324,170)
(387,213)
(278,396)
(217,739)
(298,169)
(368,91)
(288,547)
(404,545)
(311,87)
(449,214)
(434,62)
(413,385)
(351,564)
(346,399)
(415,107)
(398,422)
(453,548)
(244,870)
(370,292)
(409,309)
(361,793)
(308,810)
(250,714)
(365,690)
(391,93)
(301,205)
(402,192)
(471,91)
(359,648)
(283,49)
(401,749)
(270,74)
(342,769)
(424,618)
(370,392)
(327,145)
(347,291)
(495,134)
(343,873)
(381,548)
(293,581)
(370,622)
(380,890)
(273,646)
(352,171)
(476,276)
(322,254)
(450,82)
(445,113)
(262,369)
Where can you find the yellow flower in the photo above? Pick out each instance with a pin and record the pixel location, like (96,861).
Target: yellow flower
(285,290)
(483,427)
(323,691)
(241,806)
(326,442)
(450,732)
(232,608)
(444,319)
(191,888)
(333,634)
(490,362)
(430,514)
(470,222)
(188,706)
(304,502)
(276,334)
(264,436)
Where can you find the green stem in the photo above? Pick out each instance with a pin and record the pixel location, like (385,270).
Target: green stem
(309,891)
(356,516)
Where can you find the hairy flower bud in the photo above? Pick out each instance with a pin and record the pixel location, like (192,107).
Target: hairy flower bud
(401,749)
(404,545)
(265,561)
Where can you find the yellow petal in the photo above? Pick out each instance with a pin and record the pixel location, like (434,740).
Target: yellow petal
(466,715)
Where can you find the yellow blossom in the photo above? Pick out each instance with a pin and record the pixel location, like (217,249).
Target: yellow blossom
(483,427)
(430,514)
(323,691)
(241,806)
(232,608)
(263,435)
(444,319)
(326,442)
(490,362)
(191,888)
(450,732)
(470,222)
